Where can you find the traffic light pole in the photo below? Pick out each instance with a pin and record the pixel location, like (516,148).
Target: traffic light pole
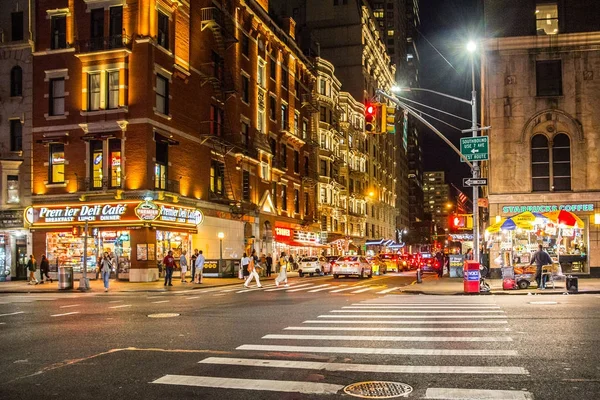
(475,167)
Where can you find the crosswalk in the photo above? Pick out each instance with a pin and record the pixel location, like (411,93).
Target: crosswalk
(322,288)
(406,338)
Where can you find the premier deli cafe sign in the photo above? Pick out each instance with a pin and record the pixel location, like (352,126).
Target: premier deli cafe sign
(118,212)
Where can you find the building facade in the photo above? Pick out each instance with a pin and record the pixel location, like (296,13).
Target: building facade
(16,71)
(436,193)
(540,94)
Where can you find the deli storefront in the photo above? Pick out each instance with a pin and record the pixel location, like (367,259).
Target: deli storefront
(296,242)
(138,234)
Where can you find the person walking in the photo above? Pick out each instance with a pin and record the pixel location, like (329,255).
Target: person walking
(193,264)
(199,267)
(44,269)
(32,267)
(540,258)
(244,266)
(183,265)
(469,255)
(252,273)
(282,277)
(269,263)
(106,267)
(169,264)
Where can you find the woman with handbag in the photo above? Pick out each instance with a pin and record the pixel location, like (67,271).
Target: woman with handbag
(282,277)
(32,267)
(253,273)
(107,265)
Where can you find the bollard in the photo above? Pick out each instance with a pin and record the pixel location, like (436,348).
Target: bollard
(419,275)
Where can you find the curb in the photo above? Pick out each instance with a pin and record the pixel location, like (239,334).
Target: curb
(501,293)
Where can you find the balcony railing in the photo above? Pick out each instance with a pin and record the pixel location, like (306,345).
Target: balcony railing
(168,185)
(104,183)
(102,43)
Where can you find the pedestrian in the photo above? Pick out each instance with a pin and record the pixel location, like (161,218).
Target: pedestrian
(244,265)
(291,262)
(469,255)
(252,272)
(269,265)
(199,267)
(98,266)
(32,267)
(169,264)
(183,266)
(44,268)
(263,264)
(282,277)
(193,264)
(107,265)
(540,258)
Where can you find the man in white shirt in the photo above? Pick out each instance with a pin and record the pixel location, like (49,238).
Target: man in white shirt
(199,267)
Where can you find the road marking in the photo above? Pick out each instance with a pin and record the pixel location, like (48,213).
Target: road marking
(13,313)
(70,305)
(161,301)
(291,286)
(192,298)
(465,322)
(382,351)
(253,289)
(121,306)
(153,297)
(379,329)
(364,290)
(62,315)
(393,338)
(417,311)
(388,290)
(412,316)
(421,307)
(349,288)
(250,384)
(476,394)
(370,303)
(116,301)
(319,290)
(377,368)
(310,287)
(229,290)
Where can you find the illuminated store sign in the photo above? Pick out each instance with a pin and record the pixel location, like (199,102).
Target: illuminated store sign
(285,232)
(124,212)
(548,207)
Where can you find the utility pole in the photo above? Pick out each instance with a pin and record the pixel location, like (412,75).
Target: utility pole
(475,168)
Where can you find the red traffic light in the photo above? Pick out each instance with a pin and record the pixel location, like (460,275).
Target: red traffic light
(370,110)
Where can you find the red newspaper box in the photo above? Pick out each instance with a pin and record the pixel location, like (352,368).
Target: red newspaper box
(471,276)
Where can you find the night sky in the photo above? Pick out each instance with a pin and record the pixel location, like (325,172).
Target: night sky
(448,25)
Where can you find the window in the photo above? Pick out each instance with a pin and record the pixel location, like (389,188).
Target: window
(217,177)
(245,45)
(16,19)
(285,76)
(546,19)
(296,124)
(306,165)
(57,96)
(160,166)
(272,108)
(162,95)
(296,161)
(56,163)
(265,171)
(260,121)
(306,203)
(59,32)
(112,100)
(273,145)
(93,91)
(390,33)
(548,78)
(296,201)
(97,29)
(540,164)
(284,197)
(16,135)
(16,81)
(96,163)
(322,86)
(115,27)
(245,89)
(245,134)
(163,30)
(217,117)
(12,189)
(273,68)
(284,157)
(304,129)
(323,168)
(284,117)
(274,194)
(246,185)
(561,163)
(115,170)
(260,74)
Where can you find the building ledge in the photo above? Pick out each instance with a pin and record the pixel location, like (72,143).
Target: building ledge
(542,42)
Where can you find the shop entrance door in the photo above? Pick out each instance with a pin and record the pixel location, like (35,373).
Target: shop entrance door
(21,261)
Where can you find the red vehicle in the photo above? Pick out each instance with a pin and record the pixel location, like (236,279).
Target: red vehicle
(428,263)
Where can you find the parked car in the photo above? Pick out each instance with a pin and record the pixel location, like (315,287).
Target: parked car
(406,262)
(311,265)
(391,261)
(428,263)
(352,265)
(378,265)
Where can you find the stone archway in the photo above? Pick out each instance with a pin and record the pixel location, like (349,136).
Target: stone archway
(550,122)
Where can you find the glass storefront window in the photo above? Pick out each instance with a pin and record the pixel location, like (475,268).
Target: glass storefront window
(176,241)
(117,243)
(67,250)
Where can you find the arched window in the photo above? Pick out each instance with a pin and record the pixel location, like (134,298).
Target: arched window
(540,164)
(16,81)
(561,163)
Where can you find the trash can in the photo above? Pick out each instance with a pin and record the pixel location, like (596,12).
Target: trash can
(65,277)
(572,284)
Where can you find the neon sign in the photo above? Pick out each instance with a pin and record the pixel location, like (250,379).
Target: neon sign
(549,207)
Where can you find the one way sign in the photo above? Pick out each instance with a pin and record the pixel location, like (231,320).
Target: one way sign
(470,182)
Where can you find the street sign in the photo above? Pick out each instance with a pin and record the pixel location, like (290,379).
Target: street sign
(475,148)
(470,182)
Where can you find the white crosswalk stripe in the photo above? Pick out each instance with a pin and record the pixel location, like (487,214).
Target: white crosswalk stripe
(322,289)
(479,328)
(310,287)
(289,287)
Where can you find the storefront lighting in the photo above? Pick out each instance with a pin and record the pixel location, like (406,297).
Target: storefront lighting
(220,235)
(148,198)
(597,218)
(498,218)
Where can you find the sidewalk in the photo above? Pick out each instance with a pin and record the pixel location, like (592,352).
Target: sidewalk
(96,285)
(432,285)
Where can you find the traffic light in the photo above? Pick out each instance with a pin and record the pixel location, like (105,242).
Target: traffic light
(461,222)
(388,119)
(370,113)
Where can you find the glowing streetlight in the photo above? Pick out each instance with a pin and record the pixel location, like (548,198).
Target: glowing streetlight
(471,46)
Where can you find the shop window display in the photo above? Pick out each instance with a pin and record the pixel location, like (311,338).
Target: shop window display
(175,241)
(66,250)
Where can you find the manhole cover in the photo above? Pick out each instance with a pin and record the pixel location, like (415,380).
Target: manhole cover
(378,390)
(543,302)
(164,315)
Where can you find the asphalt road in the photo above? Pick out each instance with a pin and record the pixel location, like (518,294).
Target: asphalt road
(308,341)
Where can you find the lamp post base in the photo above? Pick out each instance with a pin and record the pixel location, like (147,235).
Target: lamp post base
(84,284)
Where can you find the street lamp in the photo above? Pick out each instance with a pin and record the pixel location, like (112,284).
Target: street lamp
(220,235)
